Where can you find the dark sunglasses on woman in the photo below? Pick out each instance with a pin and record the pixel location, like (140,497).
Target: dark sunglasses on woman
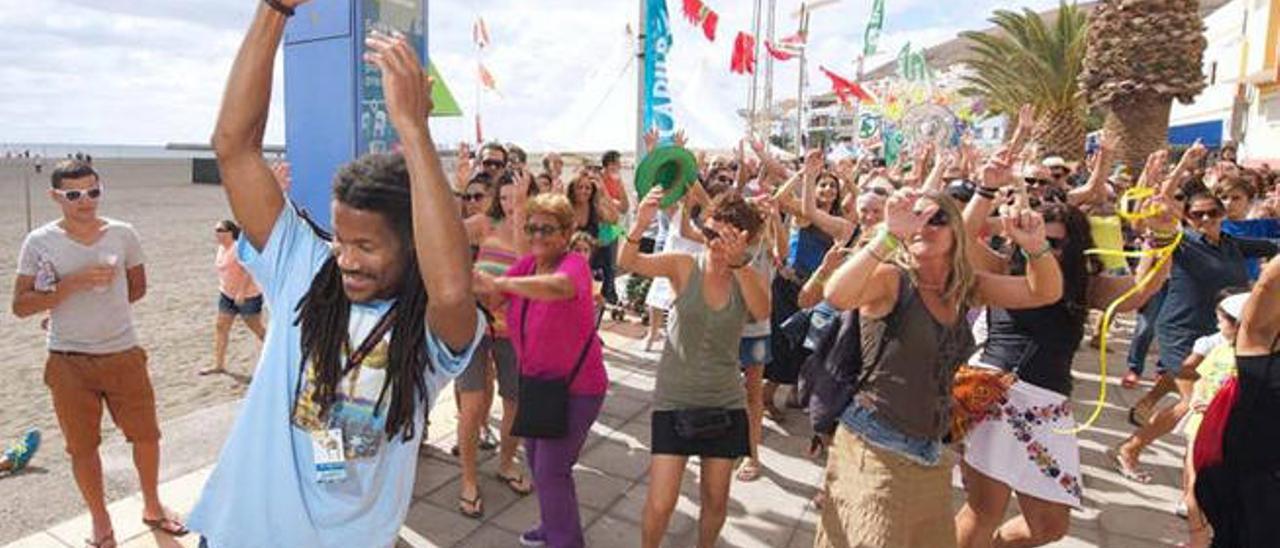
(472,197)
(533,229)
(939,218)
(1205,214)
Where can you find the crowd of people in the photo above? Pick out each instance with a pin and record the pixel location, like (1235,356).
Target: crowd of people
(925,314)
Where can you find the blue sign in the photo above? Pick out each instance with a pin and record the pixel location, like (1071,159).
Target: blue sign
(659,111)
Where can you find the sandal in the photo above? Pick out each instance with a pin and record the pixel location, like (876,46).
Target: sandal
(487,441)
(106,541)
(1130,472)
(167,525)
(749,471)
(476,505)
(517,483)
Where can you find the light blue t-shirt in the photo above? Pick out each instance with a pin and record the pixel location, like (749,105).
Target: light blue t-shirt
(263,491)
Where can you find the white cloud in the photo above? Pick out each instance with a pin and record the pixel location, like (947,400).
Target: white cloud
(152,71)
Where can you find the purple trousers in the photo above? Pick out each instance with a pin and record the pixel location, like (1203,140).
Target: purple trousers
(551,461)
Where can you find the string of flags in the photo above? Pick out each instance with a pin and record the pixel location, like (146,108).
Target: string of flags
(700,15)
(846,91)
(744,54)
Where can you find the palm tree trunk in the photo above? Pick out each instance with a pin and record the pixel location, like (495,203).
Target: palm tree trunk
(1141,127)
(1061,132)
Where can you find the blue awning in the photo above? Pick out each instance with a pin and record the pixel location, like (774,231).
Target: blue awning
(1209,133)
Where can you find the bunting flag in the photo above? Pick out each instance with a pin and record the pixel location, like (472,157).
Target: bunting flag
(781,52)
(871,37)
(700,15)
(845,90)
(486,78)
(912,65)
(744,54)
(480,33)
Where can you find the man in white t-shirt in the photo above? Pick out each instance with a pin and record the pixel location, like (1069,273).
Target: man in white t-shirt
(87,271)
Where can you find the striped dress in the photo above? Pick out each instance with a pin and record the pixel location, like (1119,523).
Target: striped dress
(496,261)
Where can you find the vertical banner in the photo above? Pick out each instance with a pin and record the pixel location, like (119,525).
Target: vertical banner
(658,110)
(871,38)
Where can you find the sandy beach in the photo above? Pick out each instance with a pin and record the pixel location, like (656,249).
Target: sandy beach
(175,219)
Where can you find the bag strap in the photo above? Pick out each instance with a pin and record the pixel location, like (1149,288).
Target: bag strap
(890,330)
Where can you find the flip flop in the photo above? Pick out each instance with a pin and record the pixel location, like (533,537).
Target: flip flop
(1130,473)
(749,471)
(476,503)
(515,483)
(106,541)
(167,525)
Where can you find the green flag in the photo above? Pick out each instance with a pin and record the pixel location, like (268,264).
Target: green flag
(445,105)
(871,38)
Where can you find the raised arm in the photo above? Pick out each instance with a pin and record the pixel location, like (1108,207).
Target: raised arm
(1260,322)
(667,265)
(256,199)
(444,258)
(1042,284)
(863,282)
(1095,190)
(838,228)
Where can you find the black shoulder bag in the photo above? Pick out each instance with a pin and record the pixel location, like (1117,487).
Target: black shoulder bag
(543,410)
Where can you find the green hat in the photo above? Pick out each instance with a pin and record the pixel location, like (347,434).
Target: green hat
(670,167)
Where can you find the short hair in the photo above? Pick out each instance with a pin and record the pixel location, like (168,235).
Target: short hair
(731,208)
(552,205)
(514,152)
(497,147)
(71,169)
(610,157)
(546,161)
(1199,196)
(1232,184)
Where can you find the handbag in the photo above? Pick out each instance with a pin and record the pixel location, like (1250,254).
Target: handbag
(543,410)
(702,423)
(1206,450)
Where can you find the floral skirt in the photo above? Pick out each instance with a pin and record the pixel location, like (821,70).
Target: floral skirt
(1020,442)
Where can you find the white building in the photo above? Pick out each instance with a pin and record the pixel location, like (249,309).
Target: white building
(1242,101)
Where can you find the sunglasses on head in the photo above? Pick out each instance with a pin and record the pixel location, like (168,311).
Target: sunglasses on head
(1205,214)
(533,229)
(472,197)
(75,195)
(496,164)
(939,218)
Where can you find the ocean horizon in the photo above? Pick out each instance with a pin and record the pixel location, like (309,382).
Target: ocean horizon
(116,151)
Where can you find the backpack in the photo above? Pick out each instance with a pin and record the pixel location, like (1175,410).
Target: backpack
(834,372)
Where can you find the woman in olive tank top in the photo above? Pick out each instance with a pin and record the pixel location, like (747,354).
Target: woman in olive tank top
(888,476)
(699,402)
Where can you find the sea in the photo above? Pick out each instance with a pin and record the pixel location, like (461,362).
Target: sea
(107,151)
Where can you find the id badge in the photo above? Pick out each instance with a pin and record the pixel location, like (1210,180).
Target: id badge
(327,452)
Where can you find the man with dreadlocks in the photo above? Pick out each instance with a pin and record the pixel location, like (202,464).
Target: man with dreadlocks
(325,448)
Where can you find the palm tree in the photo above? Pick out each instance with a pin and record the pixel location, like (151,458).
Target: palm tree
(1142,55)
(1033,61)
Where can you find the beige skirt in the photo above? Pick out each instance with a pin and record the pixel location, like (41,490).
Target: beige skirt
(876,498)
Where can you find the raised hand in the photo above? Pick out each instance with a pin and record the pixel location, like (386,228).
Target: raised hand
(834,257)
(998,171)
(680,139)
(1024,226)
(651,139)
(649,206)
(730,242)
(405,86)
(813,161)
(1153,171)
(905,213)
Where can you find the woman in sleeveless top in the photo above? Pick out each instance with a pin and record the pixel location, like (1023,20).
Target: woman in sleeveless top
(888,480)
(592,211)
(1241,495)
(493,234)
(1003,453)
(817,222)
(699,400)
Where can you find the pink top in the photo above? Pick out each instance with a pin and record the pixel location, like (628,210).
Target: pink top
(232,277)
(558,329)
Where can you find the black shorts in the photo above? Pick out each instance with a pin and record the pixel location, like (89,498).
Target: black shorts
(733,444)
(250,307)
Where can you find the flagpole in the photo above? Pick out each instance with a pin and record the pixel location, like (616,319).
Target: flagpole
(800,106)
(642,35)
(768,74)
(755,74)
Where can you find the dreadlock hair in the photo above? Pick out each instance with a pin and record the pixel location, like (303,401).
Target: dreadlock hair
(376,183)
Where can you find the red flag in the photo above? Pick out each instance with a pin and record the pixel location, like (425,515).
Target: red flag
(778,53)
(845,90)
(797,39)
(744,54)
(699,14)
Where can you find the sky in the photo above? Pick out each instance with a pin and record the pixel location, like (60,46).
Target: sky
(151,72)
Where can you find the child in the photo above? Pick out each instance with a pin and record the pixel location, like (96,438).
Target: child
(585,244)
(1213,361)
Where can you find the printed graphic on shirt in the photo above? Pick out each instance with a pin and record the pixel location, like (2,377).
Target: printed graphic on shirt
(363,428)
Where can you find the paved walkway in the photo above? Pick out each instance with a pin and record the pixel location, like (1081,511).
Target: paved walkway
(773,511)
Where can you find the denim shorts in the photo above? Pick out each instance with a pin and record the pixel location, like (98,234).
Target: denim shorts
(754,351)
(879,433)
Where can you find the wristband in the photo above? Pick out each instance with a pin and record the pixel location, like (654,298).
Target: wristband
(279,7)
(1031,256)
(884,236)
(986,192)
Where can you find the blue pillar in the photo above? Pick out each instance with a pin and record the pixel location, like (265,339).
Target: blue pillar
(334,111)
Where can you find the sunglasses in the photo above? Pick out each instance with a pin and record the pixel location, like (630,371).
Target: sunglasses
(473,197)
(1205,214)
(1056,243)
(544,231)
(875,190)
(496,164)
(1032,181)
(939,218)
(75,195)
(724,179)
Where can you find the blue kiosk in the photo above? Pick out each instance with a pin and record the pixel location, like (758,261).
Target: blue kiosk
(334,108)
